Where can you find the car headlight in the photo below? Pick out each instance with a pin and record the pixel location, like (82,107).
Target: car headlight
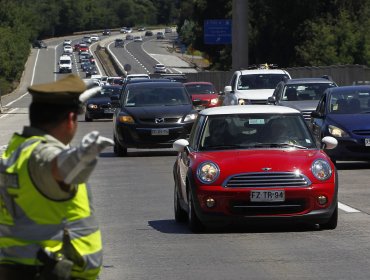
(190,117)
(241,101)
(321,169)
(337,132)
(126,119)
(92,106)
(208,172)
(214,101)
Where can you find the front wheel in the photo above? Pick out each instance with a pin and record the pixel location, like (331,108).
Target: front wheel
(333,221)
(118,149)
(180,214)
(194,223)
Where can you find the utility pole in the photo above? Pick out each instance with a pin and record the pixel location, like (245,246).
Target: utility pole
(240,34)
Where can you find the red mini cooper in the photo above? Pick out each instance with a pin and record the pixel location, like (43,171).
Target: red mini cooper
(254,162)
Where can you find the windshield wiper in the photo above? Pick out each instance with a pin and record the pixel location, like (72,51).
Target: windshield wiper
(273,145)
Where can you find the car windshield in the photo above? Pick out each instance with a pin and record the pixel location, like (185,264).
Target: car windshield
(200,89)
(65,61)
(309,91)
(143,96)
(108,91)
(260,81)
(353,101)
(253,131)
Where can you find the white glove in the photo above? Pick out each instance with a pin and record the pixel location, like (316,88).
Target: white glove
(75,165)
(91,145)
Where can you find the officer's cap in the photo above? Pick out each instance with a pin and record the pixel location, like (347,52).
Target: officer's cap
(64,91)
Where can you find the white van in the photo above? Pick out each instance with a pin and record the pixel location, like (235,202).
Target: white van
(65,64)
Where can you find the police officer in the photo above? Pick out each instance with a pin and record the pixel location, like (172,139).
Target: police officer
(47,224)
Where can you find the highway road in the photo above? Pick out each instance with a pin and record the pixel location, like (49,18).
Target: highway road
(134,206)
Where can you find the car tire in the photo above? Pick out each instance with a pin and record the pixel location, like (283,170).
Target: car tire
(87,119)
(180,214)
(194,223)
(333,221)
(118,149)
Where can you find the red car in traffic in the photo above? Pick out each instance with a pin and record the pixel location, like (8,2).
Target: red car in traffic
(254,162)
(203,93)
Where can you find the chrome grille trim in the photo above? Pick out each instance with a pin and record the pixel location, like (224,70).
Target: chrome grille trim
(267,179)
(306,114)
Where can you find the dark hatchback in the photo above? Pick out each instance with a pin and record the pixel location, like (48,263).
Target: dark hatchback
(344,113)
(39,44)
(100,106)
(152,115)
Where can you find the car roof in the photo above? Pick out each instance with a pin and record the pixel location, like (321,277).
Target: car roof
(263,71)
(198,83)
(348,88)
(308,81)
(149,82)
(248,109)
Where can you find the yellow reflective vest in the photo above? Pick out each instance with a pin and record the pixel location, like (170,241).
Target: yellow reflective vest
(29,221)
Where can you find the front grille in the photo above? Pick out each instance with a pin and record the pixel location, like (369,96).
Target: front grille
(306,115)
(248,208)
(257,102)
(106,106)
(164,120)
(267,179)
(365,132)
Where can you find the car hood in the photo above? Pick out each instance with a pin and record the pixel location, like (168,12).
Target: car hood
(263,160)
(350,122)
(159,111)
(204,96)
(303,105)
(254,94)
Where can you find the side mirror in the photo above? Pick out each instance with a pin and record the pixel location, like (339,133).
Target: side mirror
(228,89)
(329,142)
(271,100)
(316,114)
(180,145)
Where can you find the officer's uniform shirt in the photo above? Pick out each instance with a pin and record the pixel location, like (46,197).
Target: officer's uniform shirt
(40,165)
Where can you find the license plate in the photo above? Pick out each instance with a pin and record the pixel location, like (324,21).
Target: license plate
(108,111)
(267,196)
(367,141)
(199,108)
(160,131)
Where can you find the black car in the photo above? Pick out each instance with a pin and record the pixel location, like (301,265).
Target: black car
(149,33)
(152,115)
(100,105)
(302,94)
(106,32)
(39,44)
(91,70)
(119,43)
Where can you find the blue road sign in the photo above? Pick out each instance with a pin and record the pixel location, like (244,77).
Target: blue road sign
(217,31)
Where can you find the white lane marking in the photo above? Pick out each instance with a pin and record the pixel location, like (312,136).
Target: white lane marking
(34,67)
(10,111)
(347,208)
